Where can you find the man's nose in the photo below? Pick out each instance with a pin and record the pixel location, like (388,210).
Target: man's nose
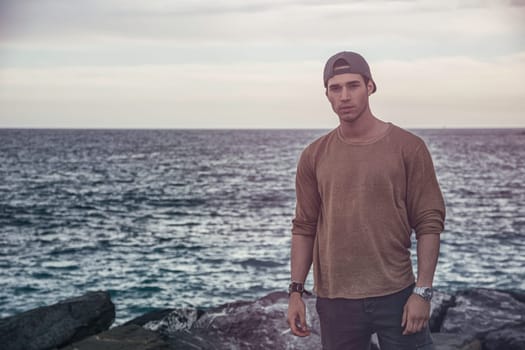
(345,94)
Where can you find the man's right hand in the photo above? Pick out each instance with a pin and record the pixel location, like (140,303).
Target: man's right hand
(297,315)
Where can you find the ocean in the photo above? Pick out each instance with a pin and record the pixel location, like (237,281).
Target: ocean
(178,218)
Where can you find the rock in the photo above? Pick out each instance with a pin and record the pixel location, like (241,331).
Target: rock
(375,343)
(448,341)
(440,303)
(176,320)
(150,316)
(479,311)
(511,338)
(516,295)
(471,320)
(59,324)
(130,337)
(241,325)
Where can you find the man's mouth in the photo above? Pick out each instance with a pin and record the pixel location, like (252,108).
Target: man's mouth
(346,108)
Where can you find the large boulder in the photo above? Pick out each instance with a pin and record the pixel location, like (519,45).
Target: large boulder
(449,341)
(129,337)
(59,324)
(478,311)
(508,338)
(242,325)
(441,302)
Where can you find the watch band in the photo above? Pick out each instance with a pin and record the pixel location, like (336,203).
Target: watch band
(424,292)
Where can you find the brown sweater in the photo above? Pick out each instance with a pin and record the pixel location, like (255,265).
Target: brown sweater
(361,201)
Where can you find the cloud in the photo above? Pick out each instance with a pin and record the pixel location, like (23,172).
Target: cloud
(249,95)
(129,33)
(253,63)
(206,22)
(451,91)
(454,91)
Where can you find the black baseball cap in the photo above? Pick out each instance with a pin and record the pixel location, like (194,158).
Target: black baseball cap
(356,63)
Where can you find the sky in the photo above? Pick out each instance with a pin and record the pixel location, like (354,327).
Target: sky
(257,64)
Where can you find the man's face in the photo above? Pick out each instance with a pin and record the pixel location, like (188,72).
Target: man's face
(348,95)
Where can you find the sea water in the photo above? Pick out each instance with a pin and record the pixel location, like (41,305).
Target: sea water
(177,218)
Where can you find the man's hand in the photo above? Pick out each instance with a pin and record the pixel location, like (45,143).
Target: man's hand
(297,315)
(416,314)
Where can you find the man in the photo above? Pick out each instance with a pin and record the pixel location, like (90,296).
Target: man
(361,190)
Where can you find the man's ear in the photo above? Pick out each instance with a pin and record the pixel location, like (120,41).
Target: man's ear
(370,87)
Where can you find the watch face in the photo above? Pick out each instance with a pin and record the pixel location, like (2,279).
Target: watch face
(296,287)
(425,293)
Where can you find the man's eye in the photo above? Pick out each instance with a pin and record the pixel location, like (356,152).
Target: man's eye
(335,88)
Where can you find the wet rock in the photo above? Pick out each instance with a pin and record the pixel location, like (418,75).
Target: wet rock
(470,320)
(516,295)
(130,337)
(149,316)
(440,303)
(59,324)
(478,311)
(448,341)
(375,342)
(511,338)
(241,325)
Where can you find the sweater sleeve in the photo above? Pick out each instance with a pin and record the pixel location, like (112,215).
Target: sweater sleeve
(425,204)
(308,199)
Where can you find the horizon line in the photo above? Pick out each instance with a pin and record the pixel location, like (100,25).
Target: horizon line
(254,128)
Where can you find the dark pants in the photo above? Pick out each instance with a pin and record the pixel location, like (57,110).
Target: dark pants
(349,323)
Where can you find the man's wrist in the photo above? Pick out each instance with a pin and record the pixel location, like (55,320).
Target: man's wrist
(424,292)
(424,283)
(295,295)
(296,287)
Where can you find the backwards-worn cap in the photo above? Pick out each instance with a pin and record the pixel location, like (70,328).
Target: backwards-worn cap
(356,64)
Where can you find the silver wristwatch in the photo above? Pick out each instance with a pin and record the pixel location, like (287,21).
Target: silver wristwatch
(424,292)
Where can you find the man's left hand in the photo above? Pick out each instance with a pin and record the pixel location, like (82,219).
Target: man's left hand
(416,314)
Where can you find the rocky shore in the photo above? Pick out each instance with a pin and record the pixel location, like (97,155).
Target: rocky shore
(475,319)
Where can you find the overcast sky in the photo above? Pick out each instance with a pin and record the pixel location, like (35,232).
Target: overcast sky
(257,64)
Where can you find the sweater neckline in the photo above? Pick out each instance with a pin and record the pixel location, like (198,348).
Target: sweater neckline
(364,142)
